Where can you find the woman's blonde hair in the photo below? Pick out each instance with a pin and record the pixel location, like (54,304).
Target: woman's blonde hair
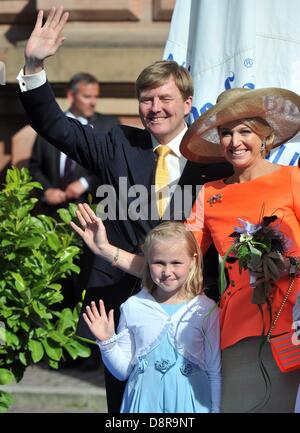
(193,285)
(261,127)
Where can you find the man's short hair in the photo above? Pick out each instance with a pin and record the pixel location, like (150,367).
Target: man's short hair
(81,77)
(158,73)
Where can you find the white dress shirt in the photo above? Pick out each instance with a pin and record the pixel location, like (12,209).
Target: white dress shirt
(63,156)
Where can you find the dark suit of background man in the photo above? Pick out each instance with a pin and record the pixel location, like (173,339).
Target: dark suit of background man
(164,91)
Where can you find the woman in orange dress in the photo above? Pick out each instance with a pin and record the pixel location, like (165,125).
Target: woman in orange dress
(238,128)
(242,127)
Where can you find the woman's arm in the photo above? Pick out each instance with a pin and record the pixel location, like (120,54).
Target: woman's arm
(94,235)
(212,353)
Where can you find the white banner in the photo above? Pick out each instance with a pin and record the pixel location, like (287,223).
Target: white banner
(238,43)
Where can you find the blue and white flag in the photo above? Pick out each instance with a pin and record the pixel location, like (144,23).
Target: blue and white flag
(238,43)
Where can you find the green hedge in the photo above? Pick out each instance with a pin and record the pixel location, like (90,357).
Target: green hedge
(35,252)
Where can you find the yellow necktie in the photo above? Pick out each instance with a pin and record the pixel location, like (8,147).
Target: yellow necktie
(162,179)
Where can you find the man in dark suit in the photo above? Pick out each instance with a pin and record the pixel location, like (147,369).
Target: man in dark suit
(164,91)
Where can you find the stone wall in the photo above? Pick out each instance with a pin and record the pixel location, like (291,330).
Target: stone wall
(112,39)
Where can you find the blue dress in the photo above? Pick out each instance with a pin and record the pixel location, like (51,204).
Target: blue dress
(163,381)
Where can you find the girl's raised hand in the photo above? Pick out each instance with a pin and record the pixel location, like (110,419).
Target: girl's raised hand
(93,231)
(99,323)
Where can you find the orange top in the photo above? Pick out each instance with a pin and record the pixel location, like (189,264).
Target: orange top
(222,205)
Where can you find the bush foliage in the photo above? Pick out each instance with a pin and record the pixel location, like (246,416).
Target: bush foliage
(35,252)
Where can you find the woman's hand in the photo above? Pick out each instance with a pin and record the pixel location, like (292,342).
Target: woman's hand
(93,231)
(45,39)
(94,235)
(101,325)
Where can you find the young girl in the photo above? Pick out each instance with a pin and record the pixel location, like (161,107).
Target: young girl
(167,343)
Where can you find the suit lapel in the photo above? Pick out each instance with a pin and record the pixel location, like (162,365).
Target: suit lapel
(141,161)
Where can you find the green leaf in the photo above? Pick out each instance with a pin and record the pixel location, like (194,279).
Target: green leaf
(19,282)
(55,298)
(10,257)
(72,351)
(40,333)
(23,211)
(35,185)
(64,215)
(66,320)
(25,325)
(6,243)
(55,353)
(5,401)
(41,310)
(58,337)
(22,358)
(76,312)
(53,241)
(82,350)
(12,339)
(53,364)
(36,349)
(46,221)
(69,253)
(56,287)
(6,376)
(32,242)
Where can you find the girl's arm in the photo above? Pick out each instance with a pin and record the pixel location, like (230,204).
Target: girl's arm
(94,235)
(117,349)
(118,352)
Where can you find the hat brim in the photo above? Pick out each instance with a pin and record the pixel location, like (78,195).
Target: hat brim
(279,107)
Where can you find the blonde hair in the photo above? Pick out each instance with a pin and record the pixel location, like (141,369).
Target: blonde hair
(159,72)
(193,285)
(261,127)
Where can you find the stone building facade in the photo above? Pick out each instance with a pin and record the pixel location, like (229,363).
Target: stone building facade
(112,39)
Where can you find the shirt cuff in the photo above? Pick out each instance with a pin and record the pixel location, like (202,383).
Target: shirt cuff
(107,345)
(84,183)
(32,81)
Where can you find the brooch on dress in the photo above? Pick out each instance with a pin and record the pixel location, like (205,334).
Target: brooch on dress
(217,198)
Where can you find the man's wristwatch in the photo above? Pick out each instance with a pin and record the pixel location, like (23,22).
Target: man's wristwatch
(294,271)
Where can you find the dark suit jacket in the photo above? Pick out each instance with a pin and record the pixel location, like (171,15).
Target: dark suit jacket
(123,152)
(44,163)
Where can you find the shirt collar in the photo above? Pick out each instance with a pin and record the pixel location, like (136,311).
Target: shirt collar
(173,144)
(81,119)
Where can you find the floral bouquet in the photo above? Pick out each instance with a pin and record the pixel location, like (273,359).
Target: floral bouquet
(258,248)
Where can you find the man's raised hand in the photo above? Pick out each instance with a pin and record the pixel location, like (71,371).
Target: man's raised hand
(45,39)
